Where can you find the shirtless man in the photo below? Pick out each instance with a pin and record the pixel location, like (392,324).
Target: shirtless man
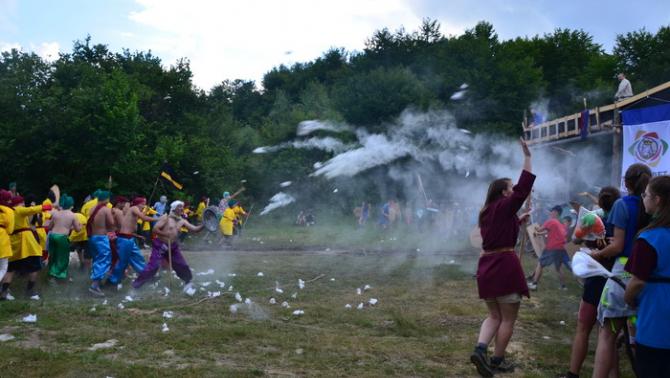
(129,252)
(100,223)
(121,203)
(167,233)
(61,224)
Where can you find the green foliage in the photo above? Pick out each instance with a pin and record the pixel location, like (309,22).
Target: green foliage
(93,113)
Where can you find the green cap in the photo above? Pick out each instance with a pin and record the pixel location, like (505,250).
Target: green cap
(66,202)
(104,195)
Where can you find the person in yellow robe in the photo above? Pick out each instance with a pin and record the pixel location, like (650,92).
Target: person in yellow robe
(240,214)
(39,222)
(79,242)
(90,204)
(146,228)
(227,223)
(200,210)
(6,229)
(26,251)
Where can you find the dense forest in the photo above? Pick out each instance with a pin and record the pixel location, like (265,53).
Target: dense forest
(94,113)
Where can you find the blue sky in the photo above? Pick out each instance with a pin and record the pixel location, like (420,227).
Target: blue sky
(244,39)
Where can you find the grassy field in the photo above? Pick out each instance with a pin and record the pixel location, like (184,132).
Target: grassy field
(424,324)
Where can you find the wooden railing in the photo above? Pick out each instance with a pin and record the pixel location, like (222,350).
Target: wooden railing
(600,119)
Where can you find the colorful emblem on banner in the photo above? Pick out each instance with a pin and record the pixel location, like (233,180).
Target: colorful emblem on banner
(648,148)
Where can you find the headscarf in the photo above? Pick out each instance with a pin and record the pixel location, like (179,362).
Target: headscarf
(103,195)
(66,202)
(5,197)
(175,204)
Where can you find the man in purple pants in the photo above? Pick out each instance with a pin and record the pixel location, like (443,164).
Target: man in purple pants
(167,232)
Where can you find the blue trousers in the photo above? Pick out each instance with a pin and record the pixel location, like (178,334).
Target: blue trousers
(102,256)
(129,253)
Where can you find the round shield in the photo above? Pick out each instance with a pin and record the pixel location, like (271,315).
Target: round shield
(210,218)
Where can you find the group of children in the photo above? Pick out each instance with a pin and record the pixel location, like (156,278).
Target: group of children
(634,245)
(107,238)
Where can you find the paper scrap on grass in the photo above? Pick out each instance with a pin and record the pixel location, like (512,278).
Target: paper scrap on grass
(238,297)
(206,273)
(233,309)
(6,337)
(168,314)
(165,328)
(373,301)
(221,284)
(347,306)
(128,298)
(30,318)
(298,312)
(367,287)
(301,284)
(213,294)
(260,274)
(111,343)
(360,306)
(247,301)
(205,284)
(285,304)
(273,301)
(359,291)
(120,306)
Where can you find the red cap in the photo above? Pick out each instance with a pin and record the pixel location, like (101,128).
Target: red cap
(16,200)
(5,197)
(138,201)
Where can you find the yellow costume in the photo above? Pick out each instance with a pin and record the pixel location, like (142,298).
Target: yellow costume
(239,214)
(41,231)
(88,206)
(200,210)
(80,236)
(146,226)
(6,229)
(226,223)
(24,243)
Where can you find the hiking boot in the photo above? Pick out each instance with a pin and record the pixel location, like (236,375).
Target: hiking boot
(96,291)
(502,367)
(479,359)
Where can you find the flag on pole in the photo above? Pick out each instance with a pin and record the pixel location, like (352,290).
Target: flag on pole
(167,174)
(584,124)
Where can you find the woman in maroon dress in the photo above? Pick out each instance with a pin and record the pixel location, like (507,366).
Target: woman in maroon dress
(500,278)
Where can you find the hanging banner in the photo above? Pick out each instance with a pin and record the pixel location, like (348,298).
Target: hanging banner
(646,137)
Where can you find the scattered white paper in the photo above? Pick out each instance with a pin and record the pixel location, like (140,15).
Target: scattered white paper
(347,306)
(332,280)
(238,297)
(298,312)
(546,337)
(120,306)
(233,309)
(360,306)
(367,287)
(213,294)
(260,274)
(30,318)
(285,184)
(294,295)
(562,322)
(119,286)
(205,284)
(221,284)
(165,328)
(128,298)
(92,309)
(104,303)
(168,314)
(111,343)
(230,288)
(273,301)
(247,301)
(167,291)
(207,273)
(35,297)
(232,274)
(6,337)
(335,190)
(285,304)
(189,290)
(359,291)
(373,301)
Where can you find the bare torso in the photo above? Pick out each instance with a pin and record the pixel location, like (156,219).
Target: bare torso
(63,221)
(103,222)
(128,220)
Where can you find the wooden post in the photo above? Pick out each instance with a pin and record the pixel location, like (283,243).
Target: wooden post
(617,145)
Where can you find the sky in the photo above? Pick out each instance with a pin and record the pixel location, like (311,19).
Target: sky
(244,39)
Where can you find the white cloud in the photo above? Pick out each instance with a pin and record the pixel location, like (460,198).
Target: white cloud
(245,39)
(8,46)
(47,50)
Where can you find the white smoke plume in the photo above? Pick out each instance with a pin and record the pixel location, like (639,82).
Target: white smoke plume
(328,144)
(307,127)
(280,199)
